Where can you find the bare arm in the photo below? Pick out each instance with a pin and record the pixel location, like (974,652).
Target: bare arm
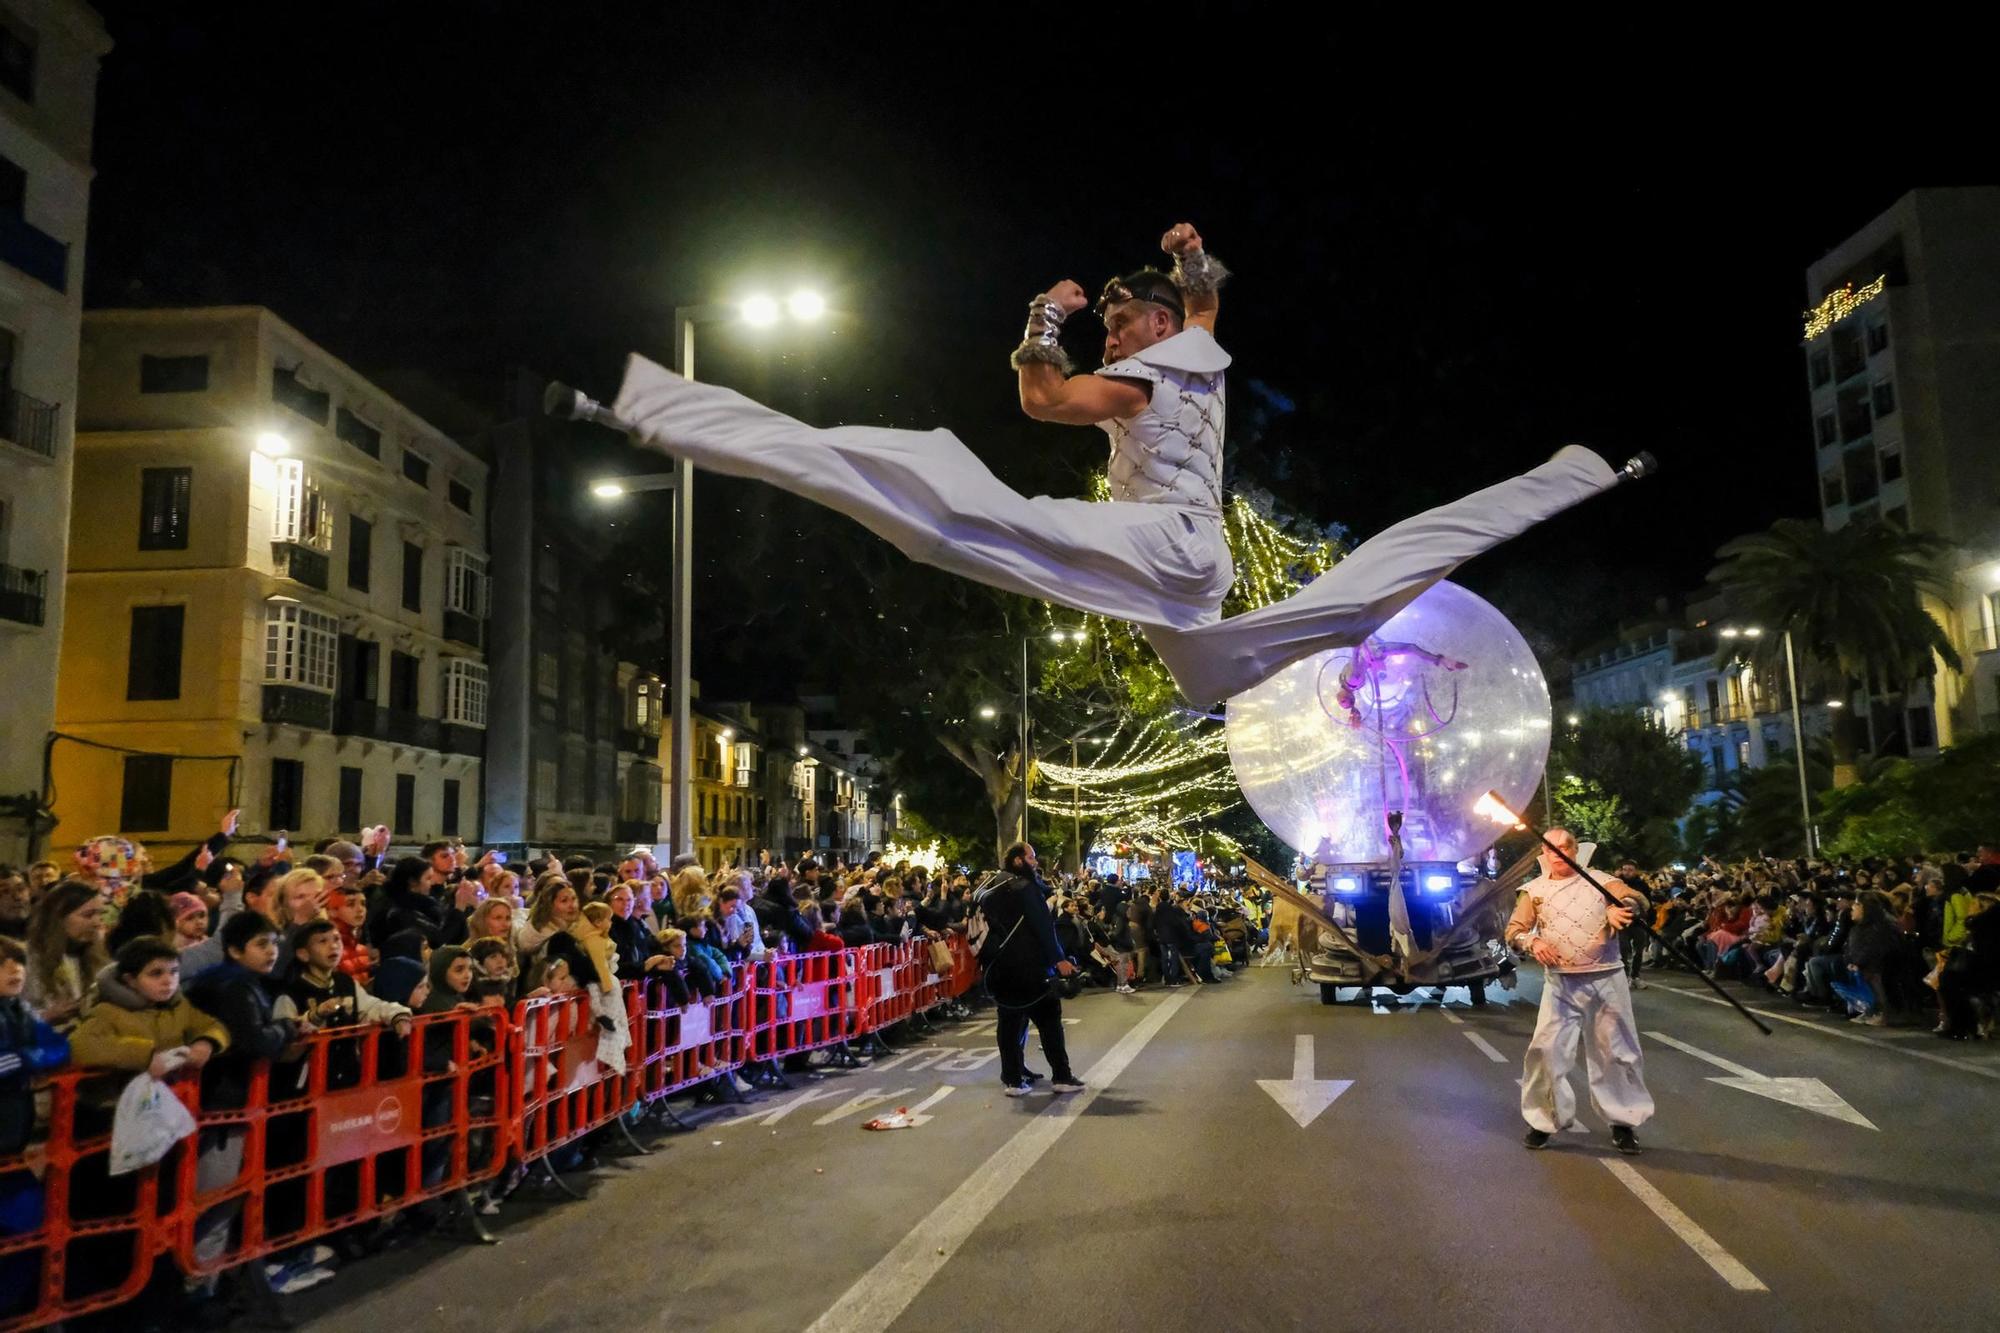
(1081,400)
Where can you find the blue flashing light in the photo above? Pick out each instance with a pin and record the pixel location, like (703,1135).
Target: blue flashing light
(1347,884)
(1440,883)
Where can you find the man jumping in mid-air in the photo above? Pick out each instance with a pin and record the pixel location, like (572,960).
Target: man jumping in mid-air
(1156,554)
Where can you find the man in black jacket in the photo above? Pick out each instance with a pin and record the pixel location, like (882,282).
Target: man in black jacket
(1020,953)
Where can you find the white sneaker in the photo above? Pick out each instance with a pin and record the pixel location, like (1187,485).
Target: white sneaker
(300,1278)
(743,1086)
(1021,1089)
(1126,990)
(1873,1020)
(316,1256)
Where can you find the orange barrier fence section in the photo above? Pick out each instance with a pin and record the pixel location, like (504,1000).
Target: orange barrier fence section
(361,1123)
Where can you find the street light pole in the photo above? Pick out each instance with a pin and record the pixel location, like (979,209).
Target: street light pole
(680,617)
(1799,743)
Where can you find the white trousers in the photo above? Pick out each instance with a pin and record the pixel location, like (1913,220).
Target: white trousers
(1595,1008)
(1164,567)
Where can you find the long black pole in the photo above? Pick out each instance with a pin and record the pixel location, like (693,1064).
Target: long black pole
(1640,919)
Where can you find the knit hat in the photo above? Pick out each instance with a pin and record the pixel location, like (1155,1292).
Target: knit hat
(396,978)
(186,904)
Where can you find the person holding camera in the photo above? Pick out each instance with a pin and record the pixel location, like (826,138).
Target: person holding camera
(1023,963)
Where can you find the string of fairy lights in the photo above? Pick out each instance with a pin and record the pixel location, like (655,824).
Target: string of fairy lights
(1156,780)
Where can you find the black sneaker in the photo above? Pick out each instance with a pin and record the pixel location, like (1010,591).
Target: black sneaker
(1031,1076)
(1625,1141)
(1536,1138)
(1070,1084)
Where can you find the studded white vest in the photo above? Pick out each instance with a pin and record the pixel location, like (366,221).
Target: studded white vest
(1170,451)
(1569,914)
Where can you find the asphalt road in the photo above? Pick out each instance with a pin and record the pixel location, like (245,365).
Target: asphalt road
(1179,1193)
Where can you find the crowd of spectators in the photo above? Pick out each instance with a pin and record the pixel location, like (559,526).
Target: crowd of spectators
(220,962)
(1916,939)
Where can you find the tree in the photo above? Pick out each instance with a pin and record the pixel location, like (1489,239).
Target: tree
(1620,755)
(1592,814)
(1853,599)
(1905,807)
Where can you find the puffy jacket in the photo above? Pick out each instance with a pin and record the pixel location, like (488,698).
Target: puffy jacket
(239,998)
(123,1030)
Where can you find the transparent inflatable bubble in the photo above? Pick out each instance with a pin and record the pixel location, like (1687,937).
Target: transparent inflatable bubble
(1442,704)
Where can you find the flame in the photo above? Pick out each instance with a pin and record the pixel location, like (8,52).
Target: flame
(1490,806)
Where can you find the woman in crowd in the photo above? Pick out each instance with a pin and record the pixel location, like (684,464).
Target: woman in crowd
(553,909)
(65,952)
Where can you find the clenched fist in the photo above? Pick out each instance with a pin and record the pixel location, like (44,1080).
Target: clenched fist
(1068,296)
(1181,239)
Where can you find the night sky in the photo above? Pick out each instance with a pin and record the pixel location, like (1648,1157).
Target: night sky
(1443,274)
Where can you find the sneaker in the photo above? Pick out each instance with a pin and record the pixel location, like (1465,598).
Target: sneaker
(1874,1018)
(1069,1084)
(1032,1076)
(1126,990)
(316,1256)
(1021,1089)
(1624,1140)
(294,1280)
(743,1085)
(1536,1138)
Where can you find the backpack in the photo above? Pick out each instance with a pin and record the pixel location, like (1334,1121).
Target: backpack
(978,930)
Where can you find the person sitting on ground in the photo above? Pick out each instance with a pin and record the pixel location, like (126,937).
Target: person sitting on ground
(141,1022)
(1867,950)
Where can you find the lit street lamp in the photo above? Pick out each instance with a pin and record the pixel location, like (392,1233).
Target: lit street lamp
(562,401)
(1798,728)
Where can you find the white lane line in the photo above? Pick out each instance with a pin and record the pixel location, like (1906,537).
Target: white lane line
(1726,1066)
(1487,1047)
(1824,1030)
(1725,1264)
(1450,1017)
(886,1290)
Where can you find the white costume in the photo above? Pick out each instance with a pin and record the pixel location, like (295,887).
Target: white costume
(1156,555)
(1585,997)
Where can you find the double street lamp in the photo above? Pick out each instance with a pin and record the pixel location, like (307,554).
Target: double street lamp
(1798,729)
(760,311)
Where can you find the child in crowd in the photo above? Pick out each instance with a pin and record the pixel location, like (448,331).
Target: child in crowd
(593,932)
(708,970)
(349,911)
(673,947)
(319,990)
(494,979)
(28,1046)
(190,916)
(142,1022)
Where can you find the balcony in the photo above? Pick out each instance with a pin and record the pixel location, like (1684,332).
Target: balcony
(364,717)
(24,594)
(636,830)
(28,422)
(302,563)
(456,739)
(642,739)
(34,252)
(466,629)
(298,707)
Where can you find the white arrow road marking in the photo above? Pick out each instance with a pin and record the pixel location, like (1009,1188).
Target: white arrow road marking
(1806,1093)
(1485,1046)
(917,1116)
(1304,1096)
(1840,1031)
(1725,1264)
(861,1101)
(779,1112)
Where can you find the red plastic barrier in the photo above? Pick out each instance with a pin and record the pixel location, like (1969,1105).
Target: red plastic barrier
(90,1224)
(685,1045)
(362,1125)
(803,1002)
(564,1084)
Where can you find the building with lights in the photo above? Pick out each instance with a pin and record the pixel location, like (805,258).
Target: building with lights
(49,54)
(278,593)
(1679,672)
(1902,362)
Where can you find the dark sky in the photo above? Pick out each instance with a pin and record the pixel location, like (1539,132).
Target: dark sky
(1449,271)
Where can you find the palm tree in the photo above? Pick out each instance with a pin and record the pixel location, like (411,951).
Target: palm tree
(1853,599)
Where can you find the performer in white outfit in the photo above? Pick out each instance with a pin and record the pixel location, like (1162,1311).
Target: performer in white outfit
(1573,932)
(1156,555)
